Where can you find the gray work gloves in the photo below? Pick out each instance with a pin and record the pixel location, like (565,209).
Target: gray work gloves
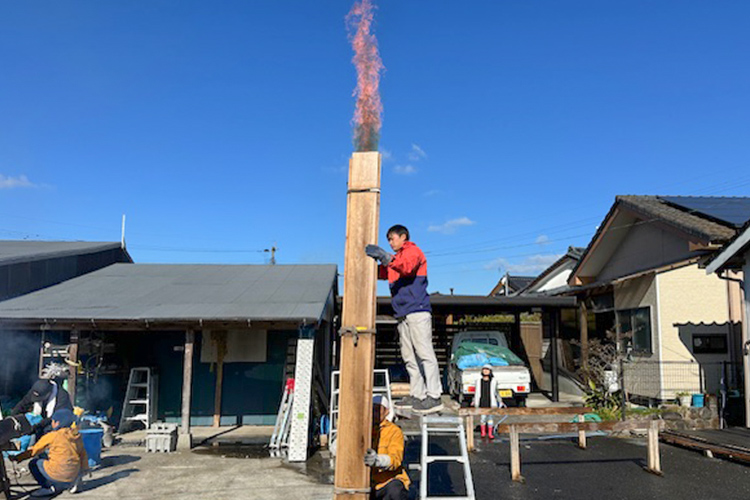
(378,254)
(372,459)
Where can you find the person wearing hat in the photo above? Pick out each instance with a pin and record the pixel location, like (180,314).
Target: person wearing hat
(486,396)
(66,457)
(44,398)
(389,479)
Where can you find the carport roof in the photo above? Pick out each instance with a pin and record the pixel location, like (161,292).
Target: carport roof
(160,293)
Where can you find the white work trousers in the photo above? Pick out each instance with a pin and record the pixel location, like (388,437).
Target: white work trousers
(415,337)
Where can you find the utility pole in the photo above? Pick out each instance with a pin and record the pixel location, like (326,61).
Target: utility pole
(272,251)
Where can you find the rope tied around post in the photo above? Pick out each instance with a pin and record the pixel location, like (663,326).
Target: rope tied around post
(354,331)
(364,190)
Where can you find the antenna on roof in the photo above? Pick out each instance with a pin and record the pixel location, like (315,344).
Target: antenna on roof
(122,238)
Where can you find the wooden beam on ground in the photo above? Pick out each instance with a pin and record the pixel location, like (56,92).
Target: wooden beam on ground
(73,366)
(695,443)
(185,440)
(552,410)
(352,479)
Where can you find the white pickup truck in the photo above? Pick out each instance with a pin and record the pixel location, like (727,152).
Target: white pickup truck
(513,381)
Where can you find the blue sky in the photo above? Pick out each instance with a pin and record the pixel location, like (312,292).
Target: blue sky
(222,128)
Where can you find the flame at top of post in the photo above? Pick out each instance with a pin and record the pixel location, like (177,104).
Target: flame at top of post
(368,111)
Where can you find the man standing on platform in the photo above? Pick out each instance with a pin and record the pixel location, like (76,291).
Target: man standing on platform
(406,272)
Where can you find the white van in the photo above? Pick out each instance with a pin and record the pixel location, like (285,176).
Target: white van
(513,382)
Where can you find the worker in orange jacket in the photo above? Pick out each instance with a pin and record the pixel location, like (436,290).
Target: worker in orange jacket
(66,457)
(385,458)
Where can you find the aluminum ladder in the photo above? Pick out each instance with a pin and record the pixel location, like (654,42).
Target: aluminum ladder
(280,436)
(381,385)
(444,426)
(140,399)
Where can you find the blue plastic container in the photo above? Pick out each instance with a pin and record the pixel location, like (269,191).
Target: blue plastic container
(92,442)
(698,400)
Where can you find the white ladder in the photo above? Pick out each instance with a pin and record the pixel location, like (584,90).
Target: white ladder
(381,385)
(280,436)
(140,399)
(444,426)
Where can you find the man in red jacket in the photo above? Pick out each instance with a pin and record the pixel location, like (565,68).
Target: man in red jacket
(406,272)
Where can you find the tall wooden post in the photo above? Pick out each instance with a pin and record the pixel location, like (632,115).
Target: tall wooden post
(185,439)
(352,480)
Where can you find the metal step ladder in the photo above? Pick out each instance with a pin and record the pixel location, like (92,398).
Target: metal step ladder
(280,436)
(444,426)
(381,385)
(140,399)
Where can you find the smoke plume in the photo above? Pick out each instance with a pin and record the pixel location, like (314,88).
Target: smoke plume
(368,111)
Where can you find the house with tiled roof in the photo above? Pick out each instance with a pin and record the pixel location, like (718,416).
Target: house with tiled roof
(640,277)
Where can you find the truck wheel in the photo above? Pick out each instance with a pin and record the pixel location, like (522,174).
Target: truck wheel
(521,402)
(465,402)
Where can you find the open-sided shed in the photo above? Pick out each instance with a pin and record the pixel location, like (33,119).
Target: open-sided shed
(272,319)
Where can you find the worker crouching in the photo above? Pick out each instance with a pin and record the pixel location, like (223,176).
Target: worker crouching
(66,457)
(486,396)
(385,458)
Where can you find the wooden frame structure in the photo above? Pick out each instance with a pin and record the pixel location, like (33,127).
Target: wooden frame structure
(352,478)
(581,426)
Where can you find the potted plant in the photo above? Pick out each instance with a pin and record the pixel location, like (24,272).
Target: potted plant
(685,398)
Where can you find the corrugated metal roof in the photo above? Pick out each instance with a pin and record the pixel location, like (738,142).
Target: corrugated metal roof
(176,292)
(14,251)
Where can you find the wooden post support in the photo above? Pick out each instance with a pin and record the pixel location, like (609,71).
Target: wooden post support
(220,341)
(185,439)
(352,479)
(584,331)
(654,460)
(515,455)
(470,432)
(73,366)
(582,433)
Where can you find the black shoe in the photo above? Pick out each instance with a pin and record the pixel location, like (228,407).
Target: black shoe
(427,405)
(406,403)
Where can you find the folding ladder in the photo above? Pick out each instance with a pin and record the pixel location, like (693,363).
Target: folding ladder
(444,426)
(381,385)
(140,399)
(280,436)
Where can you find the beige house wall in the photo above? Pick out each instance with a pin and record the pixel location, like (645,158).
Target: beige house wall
(688,295)
(690,300)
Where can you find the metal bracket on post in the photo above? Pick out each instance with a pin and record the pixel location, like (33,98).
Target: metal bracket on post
(354,331)
(351,491)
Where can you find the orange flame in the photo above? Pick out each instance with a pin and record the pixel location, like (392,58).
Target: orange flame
(367,114)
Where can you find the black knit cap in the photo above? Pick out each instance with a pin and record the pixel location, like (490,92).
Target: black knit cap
(41,390)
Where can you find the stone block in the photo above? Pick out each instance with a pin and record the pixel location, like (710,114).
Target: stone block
(671,415)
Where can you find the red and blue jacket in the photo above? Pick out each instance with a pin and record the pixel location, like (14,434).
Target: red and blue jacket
(407,278)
